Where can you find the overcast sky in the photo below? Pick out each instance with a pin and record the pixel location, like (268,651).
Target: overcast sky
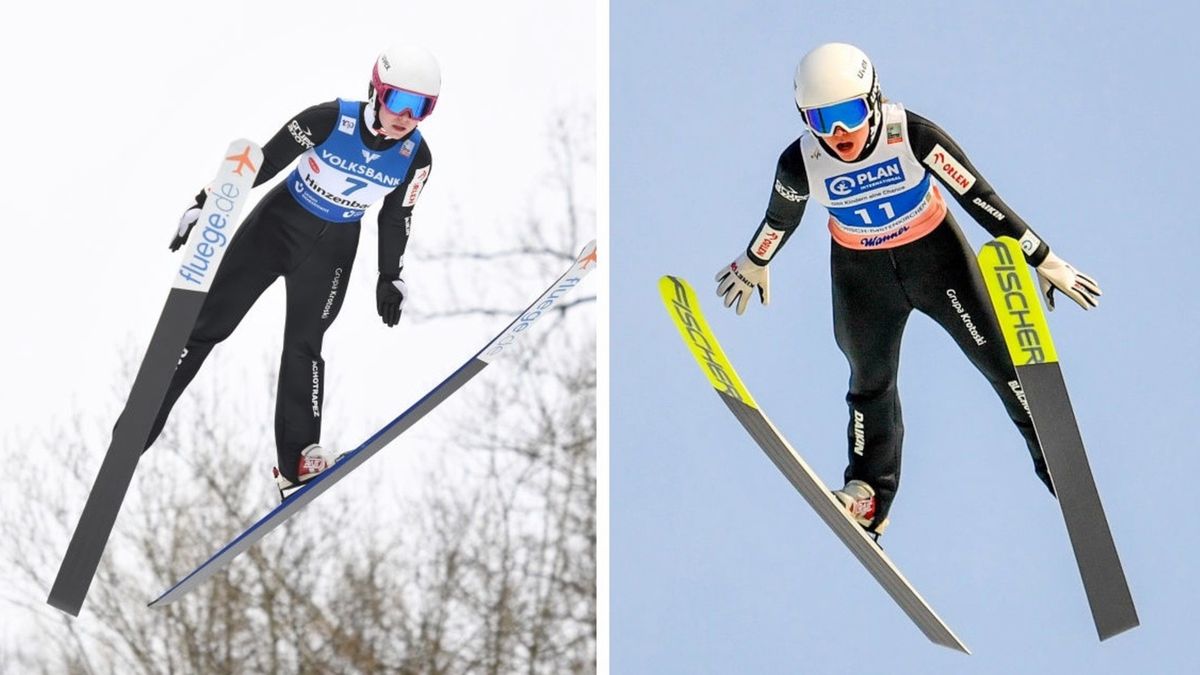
(112,131)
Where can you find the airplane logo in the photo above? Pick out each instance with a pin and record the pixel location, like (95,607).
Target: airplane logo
(590,258)
(369,156)
(243,160)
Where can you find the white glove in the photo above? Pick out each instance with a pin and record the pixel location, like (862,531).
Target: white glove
(186,221)
(1055,273)
(736,280)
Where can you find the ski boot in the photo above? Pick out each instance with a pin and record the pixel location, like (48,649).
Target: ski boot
(859,500)
(313,460)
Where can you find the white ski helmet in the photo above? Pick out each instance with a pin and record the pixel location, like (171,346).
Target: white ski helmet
(834,73)
(406,77)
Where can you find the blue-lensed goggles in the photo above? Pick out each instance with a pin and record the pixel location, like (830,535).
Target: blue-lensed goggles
(850,115)
(399,100)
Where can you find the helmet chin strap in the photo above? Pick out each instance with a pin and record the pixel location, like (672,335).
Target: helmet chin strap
(874,99)
(371,115)
(371,112)
(874,123)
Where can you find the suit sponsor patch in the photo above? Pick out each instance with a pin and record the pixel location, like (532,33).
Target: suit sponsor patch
(414,188)
(866,179)
(950,170)
(788,193)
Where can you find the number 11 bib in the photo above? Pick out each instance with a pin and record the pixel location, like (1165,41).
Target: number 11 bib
(885,200)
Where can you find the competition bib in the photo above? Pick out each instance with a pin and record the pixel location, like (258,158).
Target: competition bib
(338,179)
(884,200)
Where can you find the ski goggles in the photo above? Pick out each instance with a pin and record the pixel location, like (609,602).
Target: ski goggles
(849,115)
(399,100)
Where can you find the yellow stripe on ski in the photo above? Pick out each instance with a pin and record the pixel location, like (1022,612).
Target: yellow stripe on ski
(683,307)
(1016,298)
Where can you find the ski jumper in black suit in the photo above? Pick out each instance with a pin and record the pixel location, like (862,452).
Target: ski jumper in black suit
(306,230)
(897,248)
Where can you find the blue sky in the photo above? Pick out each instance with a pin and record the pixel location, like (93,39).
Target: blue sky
(1080,116)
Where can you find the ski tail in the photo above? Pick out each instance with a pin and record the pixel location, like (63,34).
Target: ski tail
(684,308)
(549,300)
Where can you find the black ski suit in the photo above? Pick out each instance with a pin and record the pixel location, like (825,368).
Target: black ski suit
(282,237)
(881,272)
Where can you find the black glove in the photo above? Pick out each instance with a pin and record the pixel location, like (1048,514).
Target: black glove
(186,222)
(389,297)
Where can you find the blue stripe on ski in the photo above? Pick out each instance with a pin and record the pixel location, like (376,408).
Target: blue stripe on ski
(583,264)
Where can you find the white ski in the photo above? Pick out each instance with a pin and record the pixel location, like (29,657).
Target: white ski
(683,307)
(214,229)
(353,459)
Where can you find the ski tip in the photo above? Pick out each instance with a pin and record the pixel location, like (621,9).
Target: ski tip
(246,157)
(245,147)
(684,307)
(1005,274)
(587,256)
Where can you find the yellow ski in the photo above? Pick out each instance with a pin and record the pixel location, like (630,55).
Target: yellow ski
(681,304)
(1015,298)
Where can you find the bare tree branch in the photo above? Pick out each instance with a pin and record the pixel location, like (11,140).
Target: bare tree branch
(491,569)
(560,309)
(520,252)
